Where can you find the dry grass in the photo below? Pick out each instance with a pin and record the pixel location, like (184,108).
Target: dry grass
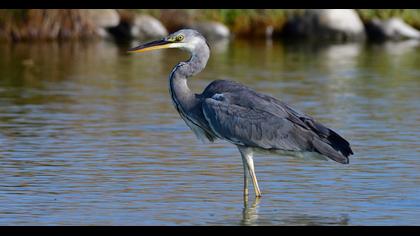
(17,25)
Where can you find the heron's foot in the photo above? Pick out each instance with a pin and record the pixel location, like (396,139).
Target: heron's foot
(257,191)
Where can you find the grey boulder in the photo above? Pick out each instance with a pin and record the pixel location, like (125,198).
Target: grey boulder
(141,27)
(393,28)
(103,19)
(339,24)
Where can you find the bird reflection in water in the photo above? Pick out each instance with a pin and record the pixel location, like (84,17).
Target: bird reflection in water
(251,216)
(250,212)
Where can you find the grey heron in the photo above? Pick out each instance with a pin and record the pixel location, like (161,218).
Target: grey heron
(233,112)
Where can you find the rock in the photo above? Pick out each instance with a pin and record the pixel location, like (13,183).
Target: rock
(145,26)
(326,24)
(139,27)
(176,19)
(393,28)
(212,30)
(103,19)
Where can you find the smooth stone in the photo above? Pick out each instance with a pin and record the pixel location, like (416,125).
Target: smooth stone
(326,24)
(142,27)
(145,26)
(104,18)
(393,28)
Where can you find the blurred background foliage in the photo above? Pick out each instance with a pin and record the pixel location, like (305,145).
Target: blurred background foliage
(66,23)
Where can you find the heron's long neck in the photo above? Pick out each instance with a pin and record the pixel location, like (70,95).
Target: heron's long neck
(178,87)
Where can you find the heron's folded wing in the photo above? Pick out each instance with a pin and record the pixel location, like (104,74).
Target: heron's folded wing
(246,126)
(306,123)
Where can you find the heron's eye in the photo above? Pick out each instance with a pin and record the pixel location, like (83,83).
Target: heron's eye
(179,37)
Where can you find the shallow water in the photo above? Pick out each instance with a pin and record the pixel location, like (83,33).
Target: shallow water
(88,136)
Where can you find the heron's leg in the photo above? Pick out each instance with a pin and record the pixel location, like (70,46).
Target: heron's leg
(247,155)
(245,165)
(253,176)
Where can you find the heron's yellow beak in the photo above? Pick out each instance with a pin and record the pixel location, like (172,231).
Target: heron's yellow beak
(158,44)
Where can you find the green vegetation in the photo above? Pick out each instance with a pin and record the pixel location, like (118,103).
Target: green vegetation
(250,22)
(242,22)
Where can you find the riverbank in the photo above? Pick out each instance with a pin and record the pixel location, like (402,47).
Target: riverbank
(55,24)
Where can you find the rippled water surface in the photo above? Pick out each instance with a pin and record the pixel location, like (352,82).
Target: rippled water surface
(88,136)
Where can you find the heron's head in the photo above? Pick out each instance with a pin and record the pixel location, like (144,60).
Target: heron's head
(186,39)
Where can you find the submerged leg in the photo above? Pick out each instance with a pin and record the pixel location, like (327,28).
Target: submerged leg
(247,154)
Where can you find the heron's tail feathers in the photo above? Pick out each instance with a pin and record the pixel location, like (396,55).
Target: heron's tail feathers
(334,147)
(328,142)
(339,143)
(328,151)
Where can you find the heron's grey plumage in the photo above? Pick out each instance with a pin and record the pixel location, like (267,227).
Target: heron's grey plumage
(233,112)
(246,117)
